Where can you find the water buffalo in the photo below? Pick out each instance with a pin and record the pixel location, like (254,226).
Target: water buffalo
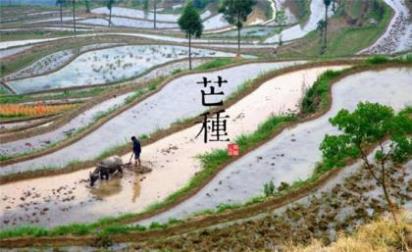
(105,168)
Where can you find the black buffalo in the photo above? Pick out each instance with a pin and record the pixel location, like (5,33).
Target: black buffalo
(106,168)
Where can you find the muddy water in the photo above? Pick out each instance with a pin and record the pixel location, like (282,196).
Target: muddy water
(293,154)
(86,118)
(178,99)
(173,160)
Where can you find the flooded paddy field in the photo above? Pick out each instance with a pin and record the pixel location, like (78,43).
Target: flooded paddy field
(75,88)
(86,118)
(107,66)
(127,22)
(148,116)
(54,61)
(9,52)
(19,124)
(293,154)
(177,162)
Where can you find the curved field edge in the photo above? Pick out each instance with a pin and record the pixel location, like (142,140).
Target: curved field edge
(89,233)
(123,87)
(179,125)
(30,124)
(39,50)
(147,88)
(75,56)
(346,42)
(141,90)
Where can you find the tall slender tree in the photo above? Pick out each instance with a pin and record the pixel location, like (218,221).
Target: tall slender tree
(154,13)
(321,29)
(74,15)
(87,5)
(110,6)
(280,20)
(325,33)
(146,8)
(61,3)
(191,23)
(236,12)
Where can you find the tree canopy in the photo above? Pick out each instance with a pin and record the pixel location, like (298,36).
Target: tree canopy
(109,4)
(190,21)
(368,125)
(236,11)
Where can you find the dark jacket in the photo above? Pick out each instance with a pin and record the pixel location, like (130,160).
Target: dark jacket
(136,147)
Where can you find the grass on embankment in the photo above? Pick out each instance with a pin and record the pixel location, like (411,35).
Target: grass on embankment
(216,63)
(211,162)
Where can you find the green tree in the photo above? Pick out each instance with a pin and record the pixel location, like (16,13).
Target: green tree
(371,124)
(325,32)
(235,13)
(280,20)
(87,5)
(109,5)
(269,188)
(146,7)
(321,29)
(201,4)
(61,3)
(190,23)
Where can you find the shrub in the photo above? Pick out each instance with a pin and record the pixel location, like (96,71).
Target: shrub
(378,59)
(269,188)
(283,186)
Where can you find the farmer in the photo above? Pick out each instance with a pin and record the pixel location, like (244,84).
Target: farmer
(137,149)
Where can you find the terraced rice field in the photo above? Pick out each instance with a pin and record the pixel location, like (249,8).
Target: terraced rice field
(293,154)
(108,66)
(69,99)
